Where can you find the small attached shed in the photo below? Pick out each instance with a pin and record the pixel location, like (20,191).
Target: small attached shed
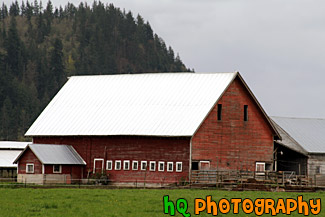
(9,150)
(41,164)
(302,148)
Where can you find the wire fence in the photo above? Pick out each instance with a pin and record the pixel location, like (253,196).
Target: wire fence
(234,180)
(255,180)
(90,183)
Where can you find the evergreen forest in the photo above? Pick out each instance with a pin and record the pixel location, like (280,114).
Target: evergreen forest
(42,45)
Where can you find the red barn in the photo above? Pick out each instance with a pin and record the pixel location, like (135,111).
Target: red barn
(158,127)
(44,163)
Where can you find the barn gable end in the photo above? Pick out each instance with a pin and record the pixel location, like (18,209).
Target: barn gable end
(233,143)
(28,157)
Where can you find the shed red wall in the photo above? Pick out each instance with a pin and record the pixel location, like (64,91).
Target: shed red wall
(74,170)
(26,158)
(236,144)
(130,148)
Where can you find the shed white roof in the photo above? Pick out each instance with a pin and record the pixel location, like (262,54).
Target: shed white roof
(163,104)
(55,154)
(7,157)
(13,145)
(309,133)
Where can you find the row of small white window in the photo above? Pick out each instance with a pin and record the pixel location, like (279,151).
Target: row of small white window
(143,165)
(56,168)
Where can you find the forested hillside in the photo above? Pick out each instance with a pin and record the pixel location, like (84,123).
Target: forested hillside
(40,46)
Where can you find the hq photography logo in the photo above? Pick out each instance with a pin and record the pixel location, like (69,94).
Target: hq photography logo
(258,206)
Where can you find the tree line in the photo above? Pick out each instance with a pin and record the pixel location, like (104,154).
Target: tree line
(40,46)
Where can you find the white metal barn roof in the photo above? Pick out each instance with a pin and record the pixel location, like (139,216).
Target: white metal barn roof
(7,157)
(288,141)
(13,145)
(309,133)
(163,104)
(55,154)
(9,150)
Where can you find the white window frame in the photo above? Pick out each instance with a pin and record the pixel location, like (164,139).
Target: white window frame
(260,172)
(179,163)
(30,164)
(60,169)
(126,162)
(154,167)
(161,163)
(98,159)
(170,163)
(145,163)
(109,161)
(133,163)
(205,162)
(116,162)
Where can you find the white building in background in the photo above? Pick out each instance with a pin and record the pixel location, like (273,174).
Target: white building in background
(302,148)
(9,150)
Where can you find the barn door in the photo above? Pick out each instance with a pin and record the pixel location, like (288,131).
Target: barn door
(98,165)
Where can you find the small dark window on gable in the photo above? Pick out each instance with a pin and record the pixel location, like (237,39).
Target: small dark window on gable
(219,111)
(245,112)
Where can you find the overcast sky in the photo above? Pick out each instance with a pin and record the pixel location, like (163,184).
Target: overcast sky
(278,46)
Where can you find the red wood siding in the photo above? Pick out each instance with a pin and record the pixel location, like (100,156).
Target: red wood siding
(130,148)
(27,158)
(74,170)
(234,143)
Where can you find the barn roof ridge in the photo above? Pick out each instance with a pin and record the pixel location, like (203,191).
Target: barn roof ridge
(152,73)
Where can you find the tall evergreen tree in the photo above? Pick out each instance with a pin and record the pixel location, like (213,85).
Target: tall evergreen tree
(36,8)
(23,9)
(4,11)
(29,10)
(7,120)
(14,48)
(56,67)
(14,9)
(48,15)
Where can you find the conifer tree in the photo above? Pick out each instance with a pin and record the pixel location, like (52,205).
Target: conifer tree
(29,10)
(14,49)
(4,11)
(23,8)
(56,67)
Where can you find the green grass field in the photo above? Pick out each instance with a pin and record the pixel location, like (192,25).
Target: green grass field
(119,202)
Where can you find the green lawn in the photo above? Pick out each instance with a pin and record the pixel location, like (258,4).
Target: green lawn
(119,202)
